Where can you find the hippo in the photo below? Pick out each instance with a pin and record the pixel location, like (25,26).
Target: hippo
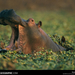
(29,35)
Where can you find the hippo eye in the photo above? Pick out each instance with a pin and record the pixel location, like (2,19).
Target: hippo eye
(32,20)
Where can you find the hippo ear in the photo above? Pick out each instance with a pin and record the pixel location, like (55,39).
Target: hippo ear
(39,24)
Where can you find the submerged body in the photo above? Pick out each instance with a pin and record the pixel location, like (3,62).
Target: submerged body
(29,36)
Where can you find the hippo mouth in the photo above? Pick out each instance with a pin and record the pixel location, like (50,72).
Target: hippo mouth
(14,38)
(9,17)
